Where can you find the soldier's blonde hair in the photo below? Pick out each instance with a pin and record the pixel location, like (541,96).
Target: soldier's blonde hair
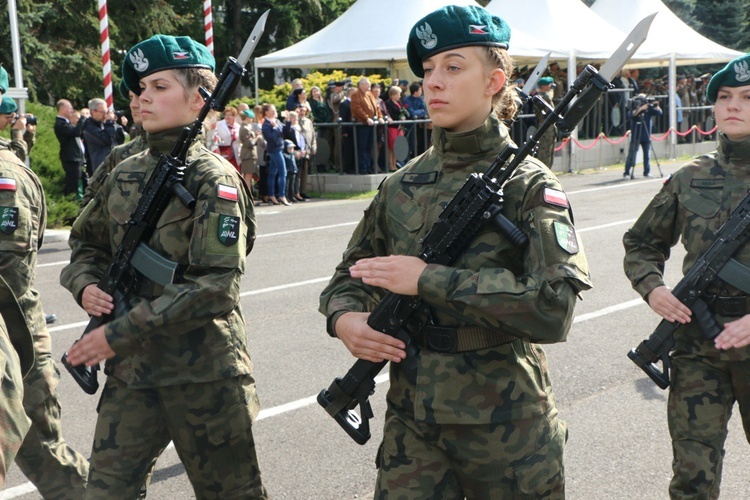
(503,103)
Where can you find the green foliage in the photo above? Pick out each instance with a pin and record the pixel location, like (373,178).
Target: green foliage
(44,159)
(279,93)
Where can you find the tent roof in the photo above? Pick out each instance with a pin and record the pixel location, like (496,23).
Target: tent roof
(562,25)
(351,40)
(668,34)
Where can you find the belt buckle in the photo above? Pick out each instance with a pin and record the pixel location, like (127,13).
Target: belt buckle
(440,339)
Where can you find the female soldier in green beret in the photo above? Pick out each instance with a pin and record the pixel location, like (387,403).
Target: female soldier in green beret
(177,361)
(707,376)
(480,419)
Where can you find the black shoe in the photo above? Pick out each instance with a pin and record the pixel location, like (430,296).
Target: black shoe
(304,195)
(50,318)
(648,176)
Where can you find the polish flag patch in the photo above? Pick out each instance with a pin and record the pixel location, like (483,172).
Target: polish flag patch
(555,197)
(7,184)
(227,192)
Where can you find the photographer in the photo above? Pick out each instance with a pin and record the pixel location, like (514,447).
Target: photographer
(641,110)
(22,129)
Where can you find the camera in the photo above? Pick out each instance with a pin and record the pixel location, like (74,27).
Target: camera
(637,102)
(30,119)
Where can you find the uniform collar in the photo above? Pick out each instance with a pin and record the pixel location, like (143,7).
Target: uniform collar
(459,148)
(164,141)
(734,151)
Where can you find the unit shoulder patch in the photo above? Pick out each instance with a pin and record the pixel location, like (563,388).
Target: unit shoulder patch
(8,219)
(566,237)
(229,229)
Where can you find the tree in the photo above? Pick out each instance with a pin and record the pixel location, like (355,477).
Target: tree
(724,22)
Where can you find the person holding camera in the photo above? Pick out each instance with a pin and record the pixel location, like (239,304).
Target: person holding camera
(641,111)
(22,129)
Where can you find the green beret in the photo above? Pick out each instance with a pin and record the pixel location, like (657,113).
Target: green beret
(735,74)
(452,27)
(124,90)
(3,80)
(545,80)
(7,106)
(162,52)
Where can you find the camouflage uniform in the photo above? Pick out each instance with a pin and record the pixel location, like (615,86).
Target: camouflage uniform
(182,369)
(16,359)
(20,142)
(691,206)
(480,423)
(45,458)
(113,159)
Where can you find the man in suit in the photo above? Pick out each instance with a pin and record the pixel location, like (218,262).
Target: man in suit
(68,129)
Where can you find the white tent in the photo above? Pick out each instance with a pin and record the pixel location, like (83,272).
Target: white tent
(567,28)
(669,38)
(373,34)
(670,42)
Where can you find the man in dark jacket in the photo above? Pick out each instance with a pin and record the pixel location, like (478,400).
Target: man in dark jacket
(68,129)
(99,134)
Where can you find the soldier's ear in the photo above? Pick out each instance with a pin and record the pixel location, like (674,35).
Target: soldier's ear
(496,81)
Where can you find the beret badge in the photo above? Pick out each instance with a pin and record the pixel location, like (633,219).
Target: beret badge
(426,36)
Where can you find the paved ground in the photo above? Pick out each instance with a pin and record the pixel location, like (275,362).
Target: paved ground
(618,447)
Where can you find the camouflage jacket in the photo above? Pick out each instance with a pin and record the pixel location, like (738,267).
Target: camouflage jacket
(191,330)
(691,206)
(23,217)
(527,294)
(118,153)
(20,142)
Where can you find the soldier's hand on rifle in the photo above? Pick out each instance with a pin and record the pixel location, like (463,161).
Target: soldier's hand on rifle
(95,301)
(396,273)
(91,349)
(366,343)
(667,306)
(736,334)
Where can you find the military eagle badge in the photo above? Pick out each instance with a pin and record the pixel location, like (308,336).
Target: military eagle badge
(426,36)
(743,71)
(140,63)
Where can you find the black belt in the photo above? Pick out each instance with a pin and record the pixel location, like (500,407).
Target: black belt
(451,340)
(729,306)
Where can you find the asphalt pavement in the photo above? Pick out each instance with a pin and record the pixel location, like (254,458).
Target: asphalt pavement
(618,445)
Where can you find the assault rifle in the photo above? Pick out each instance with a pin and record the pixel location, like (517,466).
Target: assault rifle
(477,202)
(716,263)
(133,255)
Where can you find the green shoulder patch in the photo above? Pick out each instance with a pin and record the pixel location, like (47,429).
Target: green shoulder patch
(229,229)
(8,219)
(566,237)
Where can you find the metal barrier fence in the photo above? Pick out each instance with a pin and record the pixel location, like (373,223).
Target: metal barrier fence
(340,153)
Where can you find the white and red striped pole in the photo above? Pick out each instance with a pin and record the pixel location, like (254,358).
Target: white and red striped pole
(104,41)
(208,25)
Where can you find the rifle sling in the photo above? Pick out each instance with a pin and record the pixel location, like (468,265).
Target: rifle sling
(452,340)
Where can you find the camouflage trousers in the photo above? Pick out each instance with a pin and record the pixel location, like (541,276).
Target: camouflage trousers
(701,398)
(545,151)
(57,471)
(209,423)
(13,420)
(519,459)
